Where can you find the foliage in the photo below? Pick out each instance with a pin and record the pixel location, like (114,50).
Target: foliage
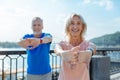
(108,40)
(8,45)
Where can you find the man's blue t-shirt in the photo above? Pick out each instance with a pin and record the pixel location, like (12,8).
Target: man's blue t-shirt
(38,59)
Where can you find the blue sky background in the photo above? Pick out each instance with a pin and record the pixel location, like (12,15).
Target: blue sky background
(102,17)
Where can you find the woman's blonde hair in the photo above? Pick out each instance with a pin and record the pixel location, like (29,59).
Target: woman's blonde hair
(68,22)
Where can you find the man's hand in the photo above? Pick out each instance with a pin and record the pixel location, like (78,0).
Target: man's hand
(29,43)
(24,43)
(34,42)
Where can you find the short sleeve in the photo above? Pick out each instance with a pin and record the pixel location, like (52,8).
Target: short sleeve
(25,36)
(92,48)
(47,35)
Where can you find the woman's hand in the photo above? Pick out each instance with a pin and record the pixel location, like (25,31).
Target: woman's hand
(70,56)
(74,58)
(84,56)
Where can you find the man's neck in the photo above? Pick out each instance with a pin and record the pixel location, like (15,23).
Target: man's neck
(37,35)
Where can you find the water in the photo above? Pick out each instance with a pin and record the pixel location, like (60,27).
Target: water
(114,56)
(14,58)
(20,58)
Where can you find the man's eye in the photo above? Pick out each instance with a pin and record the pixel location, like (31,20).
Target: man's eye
(34,25)
(39,25)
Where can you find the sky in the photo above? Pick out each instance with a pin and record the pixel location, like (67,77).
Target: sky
(102,17)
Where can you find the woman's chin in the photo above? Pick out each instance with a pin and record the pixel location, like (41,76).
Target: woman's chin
(75,35)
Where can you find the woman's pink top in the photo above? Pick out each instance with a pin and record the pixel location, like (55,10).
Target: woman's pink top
(78,71)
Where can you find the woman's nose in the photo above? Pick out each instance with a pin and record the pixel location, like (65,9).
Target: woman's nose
(75,26)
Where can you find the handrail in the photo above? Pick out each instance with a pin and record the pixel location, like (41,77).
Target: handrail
(15,51)
(54,58)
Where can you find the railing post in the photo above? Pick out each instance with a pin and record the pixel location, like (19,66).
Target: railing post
(100,68)
(4,76)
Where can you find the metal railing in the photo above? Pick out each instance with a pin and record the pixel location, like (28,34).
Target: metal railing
(13,63)
(114,54)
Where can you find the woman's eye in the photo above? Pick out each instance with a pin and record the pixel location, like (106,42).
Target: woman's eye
(78,23)
(72,23)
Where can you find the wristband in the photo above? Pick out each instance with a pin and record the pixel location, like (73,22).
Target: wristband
(41,41)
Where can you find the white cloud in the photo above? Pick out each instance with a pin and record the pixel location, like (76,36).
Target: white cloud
(86,1)
(61,18)
(108,4)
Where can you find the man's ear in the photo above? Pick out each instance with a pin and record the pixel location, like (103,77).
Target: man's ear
(42,26)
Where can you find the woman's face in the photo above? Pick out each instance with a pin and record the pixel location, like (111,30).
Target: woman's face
(37,27)
(75,26)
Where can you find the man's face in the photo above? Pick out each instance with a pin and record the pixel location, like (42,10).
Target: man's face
(37,26)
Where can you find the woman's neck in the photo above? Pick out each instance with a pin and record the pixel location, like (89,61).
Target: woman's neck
(75,41)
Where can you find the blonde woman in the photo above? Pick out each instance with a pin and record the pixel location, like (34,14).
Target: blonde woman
(75,52)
